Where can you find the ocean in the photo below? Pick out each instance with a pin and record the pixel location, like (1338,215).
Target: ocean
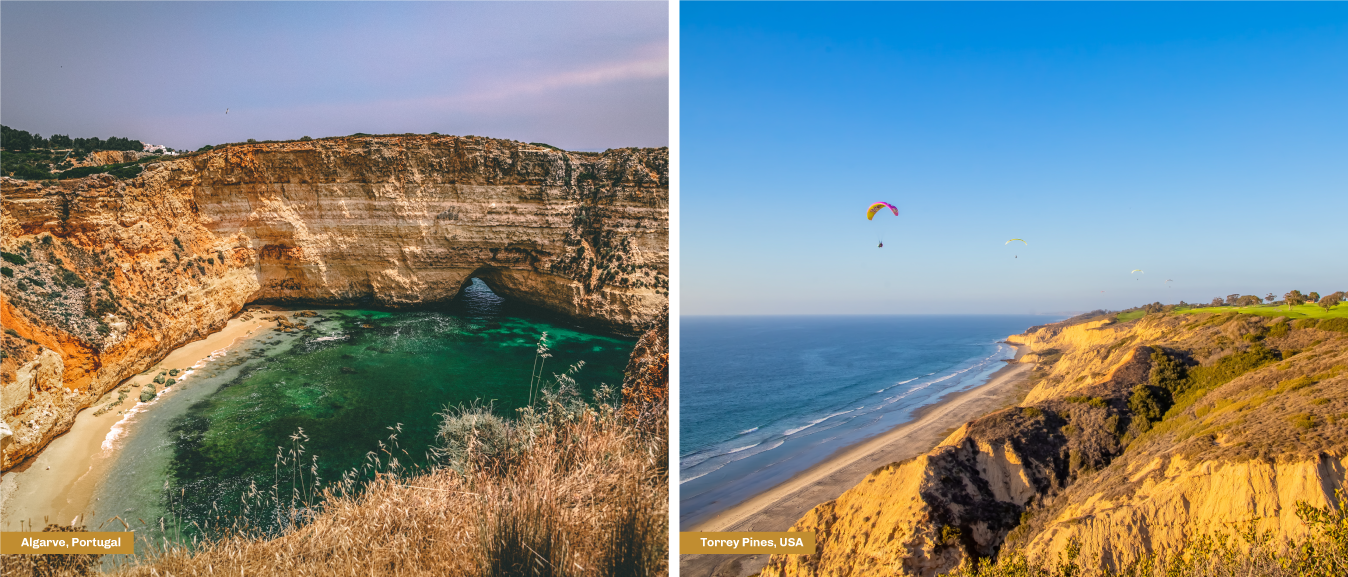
(764,398)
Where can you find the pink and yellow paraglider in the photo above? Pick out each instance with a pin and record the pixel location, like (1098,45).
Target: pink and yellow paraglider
(877,207)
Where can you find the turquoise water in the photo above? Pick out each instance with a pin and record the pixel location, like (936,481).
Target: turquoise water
(344,383)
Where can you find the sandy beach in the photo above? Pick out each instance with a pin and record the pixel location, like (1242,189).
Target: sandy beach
(778,508)
(58,483)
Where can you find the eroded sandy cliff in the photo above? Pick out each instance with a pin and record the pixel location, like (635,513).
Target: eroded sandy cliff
(105,276)
(1135,438)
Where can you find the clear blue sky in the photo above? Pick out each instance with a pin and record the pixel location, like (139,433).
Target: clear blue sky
(1205,143)
(579,75)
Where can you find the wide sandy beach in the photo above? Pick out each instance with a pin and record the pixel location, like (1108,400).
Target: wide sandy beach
(778,508)
(57,484)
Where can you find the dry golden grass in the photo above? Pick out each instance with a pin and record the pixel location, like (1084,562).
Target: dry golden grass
(587,495)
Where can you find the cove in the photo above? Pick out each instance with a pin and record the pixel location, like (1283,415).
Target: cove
(354,379)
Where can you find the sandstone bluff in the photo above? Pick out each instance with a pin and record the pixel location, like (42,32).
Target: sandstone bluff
(103,277)
(1251,417)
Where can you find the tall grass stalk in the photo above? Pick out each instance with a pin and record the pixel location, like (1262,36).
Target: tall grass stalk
(541,355)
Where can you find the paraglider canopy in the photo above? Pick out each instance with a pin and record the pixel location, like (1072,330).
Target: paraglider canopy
(1019,239)
(877,207)
(1137,270)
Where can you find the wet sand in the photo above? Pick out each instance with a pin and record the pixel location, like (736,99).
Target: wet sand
(778,508)
(58,483)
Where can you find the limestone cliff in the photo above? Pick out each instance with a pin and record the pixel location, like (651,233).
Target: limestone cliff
(109,275)
(1135,438)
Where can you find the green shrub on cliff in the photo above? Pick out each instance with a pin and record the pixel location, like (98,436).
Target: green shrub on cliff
(14,259)
(1323,553)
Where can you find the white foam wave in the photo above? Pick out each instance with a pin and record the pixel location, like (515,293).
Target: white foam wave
(119,428)
(682,481)
(335,338)
(727,461)
(747,431)
(790,432)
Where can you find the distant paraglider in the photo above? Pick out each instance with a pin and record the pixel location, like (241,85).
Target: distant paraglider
(875,208)
(1137,270)
(870,212)
(1017,239)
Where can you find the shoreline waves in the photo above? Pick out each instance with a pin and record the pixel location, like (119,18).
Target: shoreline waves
(767,398)
(779,507)
(57,485)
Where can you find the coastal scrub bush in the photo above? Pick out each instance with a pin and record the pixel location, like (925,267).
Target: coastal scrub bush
(1304,421)
(69,278)
(1279,330)
(1337,324)
(14,259)
(1148,403)
(9,272)
(473,436)
(1096,402)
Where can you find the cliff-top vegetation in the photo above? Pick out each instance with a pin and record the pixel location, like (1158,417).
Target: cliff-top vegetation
(33,157)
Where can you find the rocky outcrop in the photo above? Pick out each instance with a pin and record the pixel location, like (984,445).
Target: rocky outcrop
(102,157)
(1248,417)
(116,273)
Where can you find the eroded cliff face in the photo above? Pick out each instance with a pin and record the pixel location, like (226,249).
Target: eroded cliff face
(1258,423)
(109,275)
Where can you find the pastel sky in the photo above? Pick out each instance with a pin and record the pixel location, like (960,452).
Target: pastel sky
(1204,143)
(578,75)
